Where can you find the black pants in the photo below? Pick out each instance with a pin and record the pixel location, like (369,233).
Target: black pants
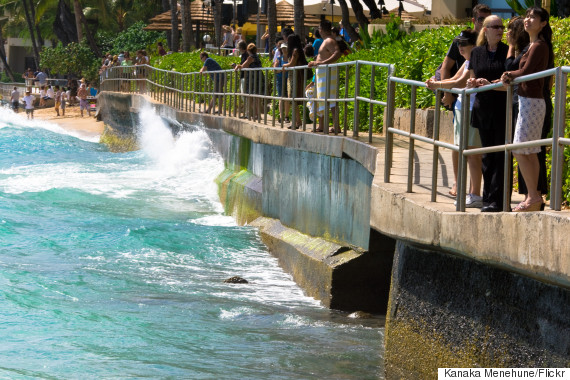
(493,167)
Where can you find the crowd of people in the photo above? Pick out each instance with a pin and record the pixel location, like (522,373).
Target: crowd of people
(289,52)
(478,57)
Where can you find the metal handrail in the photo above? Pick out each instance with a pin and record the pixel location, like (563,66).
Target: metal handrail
(185,90)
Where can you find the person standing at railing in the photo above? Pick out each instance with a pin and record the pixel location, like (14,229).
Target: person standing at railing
(28,76)
(228,38)
(318,41)
(211,65)
(296,80)
(489,110)
(281,82)
(254,81)
(466,42)
(329,53)
(15,99)
(142,60)
(450,65)
(532,107)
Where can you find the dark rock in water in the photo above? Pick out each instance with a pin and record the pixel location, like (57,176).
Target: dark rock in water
(360,315)
(236,280)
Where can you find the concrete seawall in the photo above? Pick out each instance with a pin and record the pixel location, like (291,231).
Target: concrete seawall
(467,289)
(308,195)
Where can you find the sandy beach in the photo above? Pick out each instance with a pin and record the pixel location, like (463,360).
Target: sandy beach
(72,121)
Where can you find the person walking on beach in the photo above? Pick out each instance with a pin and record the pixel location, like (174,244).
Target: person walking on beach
(15,99)
(83,103)
(29,100)
(329,52)
(57,98)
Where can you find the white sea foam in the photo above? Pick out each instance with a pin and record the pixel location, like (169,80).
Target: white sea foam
(176,173)
(10,118)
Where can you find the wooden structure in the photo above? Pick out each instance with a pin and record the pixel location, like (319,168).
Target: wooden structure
(286,16)
(202,20)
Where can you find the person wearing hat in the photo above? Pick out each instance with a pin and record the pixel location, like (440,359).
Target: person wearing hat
(228,41)
(466,41)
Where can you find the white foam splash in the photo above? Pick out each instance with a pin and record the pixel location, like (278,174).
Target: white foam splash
(176,173)
(10,118)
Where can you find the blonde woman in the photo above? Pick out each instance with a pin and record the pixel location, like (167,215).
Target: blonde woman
(487,64)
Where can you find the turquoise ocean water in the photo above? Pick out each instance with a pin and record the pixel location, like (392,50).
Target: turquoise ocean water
(112,266)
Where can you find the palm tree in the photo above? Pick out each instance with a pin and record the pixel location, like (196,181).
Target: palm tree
(31,29)
(346,22)
(174,25)
(359,13)
(218,21)
(272,21)
(78,12)
(299,11)
(4,60)
(374,11)
(186,19)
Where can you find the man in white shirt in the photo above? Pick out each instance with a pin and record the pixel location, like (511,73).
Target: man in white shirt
(15,99)
(29,100)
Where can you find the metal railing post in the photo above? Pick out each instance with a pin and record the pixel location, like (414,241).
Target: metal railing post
(388,136)
(371,105)
(435,157)
(356,95)
(558,132)
(508,168)
(411,143)
(461,184)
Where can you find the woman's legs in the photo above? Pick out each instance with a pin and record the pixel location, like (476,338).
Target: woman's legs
(529,167)
(475,172)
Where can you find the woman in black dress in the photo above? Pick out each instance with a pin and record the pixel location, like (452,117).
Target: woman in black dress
(489,110)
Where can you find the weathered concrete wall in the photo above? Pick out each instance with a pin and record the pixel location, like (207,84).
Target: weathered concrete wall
(340,277)
(448,311)
(317,185)
(316,189)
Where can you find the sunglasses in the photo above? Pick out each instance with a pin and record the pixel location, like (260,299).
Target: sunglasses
(463,43)
(502,27)
(481,19)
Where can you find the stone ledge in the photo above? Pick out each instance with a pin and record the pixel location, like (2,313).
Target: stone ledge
(533,244)
(340,277)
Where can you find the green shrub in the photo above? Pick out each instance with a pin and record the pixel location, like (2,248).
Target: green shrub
(74,59)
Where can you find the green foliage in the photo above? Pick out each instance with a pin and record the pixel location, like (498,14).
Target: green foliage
(6,79)
(133,39)
(74,59)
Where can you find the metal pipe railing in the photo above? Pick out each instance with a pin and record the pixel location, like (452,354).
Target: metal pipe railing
(185,91)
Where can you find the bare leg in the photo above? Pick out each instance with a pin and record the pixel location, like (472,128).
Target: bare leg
(475,172)
(528,164)
(455,162)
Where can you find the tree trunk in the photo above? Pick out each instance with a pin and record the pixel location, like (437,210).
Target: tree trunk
(346,22)
(4,60)
(299,11)
(271,22)
(374,11)
(186,25)
(175,44)
(218,22)
(90,38)
(32,34)
(359,13)
(38,33)
(78,11)
(166,8)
